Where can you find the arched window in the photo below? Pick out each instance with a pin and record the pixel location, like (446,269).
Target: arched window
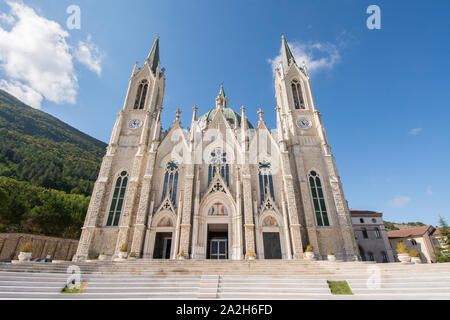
(364,232)
(377,233)
(370,256)
(141,94)
(265,181)
(361,220)
(218,163)
(384,255)
(297,94)
(170,181)
(117,200)
(318,199)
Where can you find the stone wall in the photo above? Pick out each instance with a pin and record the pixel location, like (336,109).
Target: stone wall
(57,248)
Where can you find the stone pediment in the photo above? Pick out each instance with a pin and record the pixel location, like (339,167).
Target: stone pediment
(268,205)
(218,185)
(166,205)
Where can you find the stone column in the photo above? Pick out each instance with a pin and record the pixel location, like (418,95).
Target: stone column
(144,200)
(95,206)
(185,230)
(294,224)
(249,225)
(129,204)
(343,213)
(286,228)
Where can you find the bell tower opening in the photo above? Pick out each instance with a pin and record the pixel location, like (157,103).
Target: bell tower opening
(217,241)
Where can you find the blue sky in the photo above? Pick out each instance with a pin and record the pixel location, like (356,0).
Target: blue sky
(384,94)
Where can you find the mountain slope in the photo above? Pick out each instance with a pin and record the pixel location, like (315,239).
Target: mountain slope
(38,148)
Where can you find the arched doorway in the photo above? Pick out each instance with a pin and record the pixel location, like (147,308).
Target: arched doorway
(271,238)
(216,232)
(161,237)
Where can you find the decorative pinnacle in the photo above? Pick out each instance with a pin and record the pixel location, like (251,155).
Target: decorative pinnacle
(243,108)
(260,113)
(177,114)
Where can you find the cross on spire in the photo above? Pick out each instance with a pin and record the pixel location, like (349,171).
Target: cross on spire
(260,113)
(177,114)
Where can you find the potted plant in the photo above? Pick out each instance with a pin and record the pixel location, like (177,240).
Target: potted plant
(181,255)
(102,256)
(415,256)
(331,256)
(403,253)
(132,255)
(123,251)
(251,255)
(26,252)
(309,253)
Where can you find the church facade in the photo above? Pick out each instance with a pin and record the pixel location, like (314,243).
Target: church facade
(221,188)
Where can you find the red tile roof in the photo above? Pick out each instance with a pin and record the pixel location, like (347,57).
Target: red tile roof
(410,232)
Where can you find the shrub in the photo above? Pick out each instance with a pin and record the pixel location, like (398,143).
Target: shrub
(102,253)
(133,254)
(27,247)
(124,247)
(181,254)
(414,254)
(309,249)
(251,254)
(401,248)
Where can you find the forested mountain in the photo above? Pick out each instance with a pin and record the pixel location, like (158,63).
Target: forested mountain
(38,148)
(44,154)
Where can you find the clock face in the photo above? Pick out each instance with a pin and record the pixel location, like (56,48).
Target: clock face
(134,124)
(304,123)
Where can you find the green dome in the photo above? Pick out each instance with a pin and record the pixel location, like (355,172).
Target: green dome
(231,116)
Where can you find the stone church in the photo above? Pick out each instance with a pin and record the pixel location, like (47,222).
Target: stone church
(221,188)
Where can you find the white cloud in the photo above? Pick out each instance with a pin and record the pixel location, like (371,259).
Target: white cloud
(22,92)
(429,190)
(8,19)
(37,59)
(399,201)
(415,131)
(317,56)
(88,54)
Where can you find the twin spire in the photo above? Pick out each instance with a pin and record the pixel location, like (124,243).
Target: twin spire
(153,56)
(287,58)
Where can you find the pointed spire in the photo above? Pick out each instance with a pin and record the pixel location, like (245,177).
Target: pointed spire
(243,129)
(177,115)
(194,114)
(193,124)
(153,56)
(134,69)
(287,58)
(222,92)
(221,99)
(279,125)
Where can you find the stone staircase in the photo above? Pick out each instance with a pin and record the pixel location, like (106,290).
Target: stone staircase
(225,279)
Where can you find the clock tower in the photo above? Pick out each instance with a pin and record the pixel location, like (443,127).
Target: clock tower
(321,203)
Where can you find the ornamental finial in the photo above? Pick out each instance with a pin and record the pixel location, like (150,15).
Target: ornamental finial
(260,113)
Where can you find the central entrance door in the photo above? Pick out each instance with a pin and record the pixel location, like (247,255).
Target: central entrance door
(163,244)
(272,247)
(217,241)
